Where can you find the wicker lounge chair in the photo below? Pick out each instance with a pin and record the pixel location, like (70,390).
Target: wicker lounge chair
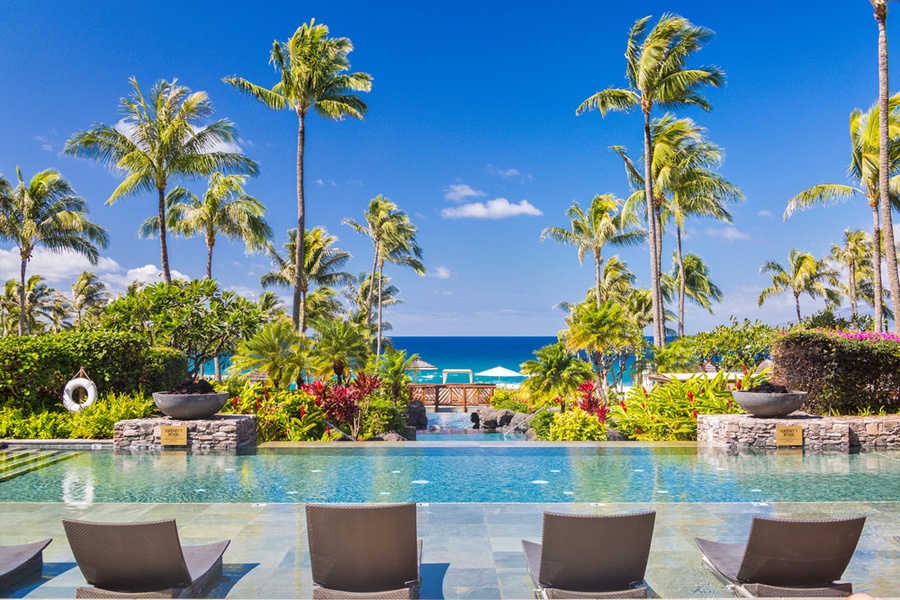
(364,551)
(591,556)
(140,560)
(787,558)
(21,562)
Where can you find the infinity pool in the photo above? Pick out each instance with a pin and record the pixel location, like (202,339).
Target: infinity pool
(463,473)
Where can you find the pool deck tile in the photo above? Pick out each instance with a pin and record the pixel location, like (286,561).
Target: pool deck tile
(470,551)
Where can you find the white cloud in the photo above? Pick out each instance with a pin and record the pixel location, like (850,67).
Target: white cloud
(499,208)
(46,146)
(53,267)
(510,173)
(330,182)
(441,273)
(766,214)
(458,192)
(145,274)
(729,234)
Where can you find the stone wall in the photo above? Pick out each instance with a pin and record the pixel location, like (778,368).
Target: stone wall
(819,433)
(219,433)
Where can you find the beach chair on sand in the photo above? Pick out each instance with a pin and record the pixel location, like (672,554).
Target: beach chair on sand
(22,562)
(141,560)
(364,550)
(591,556)
(787,558)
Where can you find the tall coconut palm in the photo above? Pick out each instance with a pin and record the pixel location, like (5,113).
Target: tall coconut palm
(804,275)
(658,76)
(225,209)
(856,256)
(311,67)
(884,151)
(685,183)
(89,296)
(161,137)
(46,213)
(864,169)
(690,277)
(590,231)
(322,267)
(358,292)
(45,308)
(393,238)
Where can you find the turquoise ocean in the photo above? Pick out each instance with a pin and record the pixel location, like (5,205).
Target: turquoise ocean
(478,353)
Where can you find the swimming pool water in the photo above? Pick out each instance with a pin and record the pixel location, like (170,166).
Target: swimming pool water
(463,473)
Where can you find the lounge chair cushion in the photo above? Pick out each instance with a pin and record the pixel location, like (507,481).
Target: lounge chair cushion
(760,590)
(21,561)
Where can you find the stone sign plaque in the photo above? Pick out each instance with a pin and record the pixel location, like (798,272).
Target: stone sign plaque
(787,436)
(173,435)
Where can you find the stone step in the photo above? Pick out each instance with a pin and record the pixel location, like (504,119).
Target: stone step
(39,461)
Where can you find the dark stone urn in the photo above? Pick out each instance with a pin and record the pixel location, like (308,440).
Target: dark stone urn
(769,404)
(190,401)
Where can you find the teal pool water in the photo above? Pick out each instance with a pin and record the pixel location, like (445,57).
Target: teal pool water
(463,473)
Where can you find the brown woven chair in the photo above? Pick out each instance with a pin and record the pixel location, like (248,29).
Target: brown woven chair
(591,556)
(140,560)
(787,558)
(18,563)
(364,551)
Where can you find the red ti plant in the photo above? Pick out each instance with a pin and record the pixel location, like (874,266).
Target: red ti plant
(590,401)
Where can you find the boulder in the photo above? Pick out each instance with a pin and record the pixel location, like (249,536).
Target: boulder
(416,416)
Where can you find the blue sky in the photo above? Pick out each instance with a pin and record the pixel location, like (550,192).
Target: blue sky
(472,103)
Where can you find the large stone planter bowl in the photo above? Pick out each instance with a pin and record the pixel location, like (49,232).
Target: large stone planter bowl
(769,404)
(190,406)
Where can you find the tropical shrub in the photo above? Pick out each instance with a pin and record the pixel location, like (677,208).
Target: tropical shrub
(576,425)
(282,415)
(668,412)
(844,372)
(94,422)
(381,414)
(16,423)
(540,423)
(731,347)
(34,370)
(508,399)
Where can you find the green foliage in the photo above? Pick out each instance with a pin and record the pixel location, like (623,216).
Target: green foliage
(576,425)
(508,399)
(668,412)
(729,347)
(194,317)
(393,368)
(842,375)
(282,415)
(540,423)
(826,319)
(94,422)
(381,414)
(555,372)
(277,349)
(34,370)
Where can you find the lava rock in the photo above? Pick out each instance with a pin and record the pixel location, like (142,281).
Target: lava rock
(416,415)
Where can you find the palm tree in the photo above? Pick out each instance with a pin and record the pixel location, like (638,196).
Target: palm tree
(865,171)
(695,285)
(160,138)
(657,76)
(856,256)
(393,240)
(805,275)
(884,158)
(322,267)
(602,333)
(685,183)
(89,296)
(225,209)
(340,347)
(277,349)
(45,309)
(602,224)
(393,367)
(312,68)
(555,372)
(46,213)
(357,294)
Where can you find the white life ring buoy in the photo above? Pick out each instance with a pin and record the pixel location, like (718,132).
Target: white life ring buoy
(79,382)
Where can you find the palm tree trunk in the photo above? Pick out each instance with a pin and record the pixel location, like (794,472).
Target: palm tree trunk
(659,338)
(797,305)
(851,284)
(209,251)
(681,282)
(884,165)
(377,244)
(22,296)
(876,262)
(378,334)
(163,247)
(298,315)
(597,275)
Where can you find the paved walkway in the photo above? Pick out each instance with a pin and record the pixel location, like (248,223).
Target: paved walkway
(471,550)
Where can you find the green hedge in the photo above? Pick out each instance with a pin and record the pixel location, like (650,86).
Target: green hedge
(34,370)
(843,375)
